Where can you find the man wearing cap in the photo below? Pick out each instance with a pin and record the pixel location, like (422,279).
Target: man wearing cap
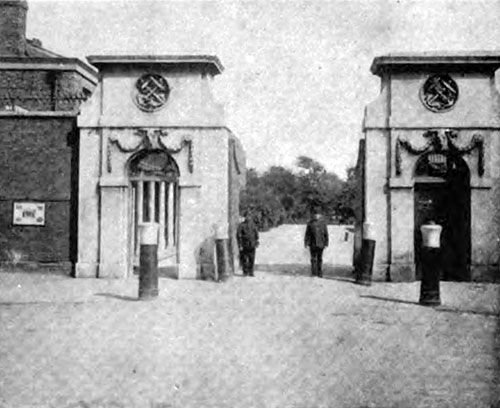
(247,236)
(316,239)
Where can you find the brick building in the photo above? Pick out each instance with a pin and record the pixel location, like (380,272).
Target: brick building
(78,177)
(40,96)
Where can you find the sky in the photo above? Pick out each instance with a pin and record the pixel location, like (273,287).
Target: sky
(297,73)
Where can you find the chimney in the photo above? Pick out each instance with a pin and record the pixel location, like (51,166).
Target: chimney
(13,28)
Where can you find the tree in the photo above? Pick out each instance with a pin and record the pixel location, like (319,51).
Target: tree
(348,202)
(280,195)
(282,184)
(309,165)
(319,188)
(260,199)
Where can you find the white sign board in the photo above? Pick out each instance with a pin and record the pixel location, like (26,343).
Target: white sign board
(28,214)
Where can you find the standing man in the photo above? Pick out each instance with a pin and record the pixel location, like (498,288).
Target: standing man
(316,239)
(247,236)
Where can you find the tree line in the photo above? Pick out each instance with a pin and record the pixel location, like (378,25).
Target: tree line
(281,196)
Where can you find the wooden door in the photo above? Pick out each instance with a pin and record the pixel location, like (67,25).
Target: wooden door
(447,203)
(430,205)
(456,254)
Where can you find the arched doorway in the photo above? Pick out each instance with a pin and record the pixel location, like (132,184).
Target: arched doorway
(154,177)
(442,195)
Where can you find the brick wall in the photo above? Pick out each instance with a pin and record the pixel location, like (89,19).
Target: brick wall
(30,90)
(71,88)
(42,90)
(13,27)
(38,162)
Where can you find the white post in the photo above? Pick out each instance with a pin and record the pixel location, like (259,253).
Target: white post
(134,216)
(430,264)
(364,266)
(368,231)
(140,201)
(139,219)
(151,201)
(148,265)
(170,213)
(161,243)
(222,252)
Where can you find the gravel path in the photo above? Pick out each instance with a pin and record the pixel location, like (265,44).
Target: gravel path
(285,246)
(276,340)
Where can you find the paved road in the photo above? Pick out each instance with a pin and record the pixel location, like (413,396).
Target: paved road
(276,340)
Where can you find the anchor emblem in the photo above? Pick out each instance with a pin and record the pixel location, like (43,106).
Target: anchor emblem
(152,92)
(439,93)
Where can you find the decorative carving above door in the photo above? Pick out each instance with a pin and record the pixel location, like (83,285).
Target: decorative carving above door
(148,139)
(444,144)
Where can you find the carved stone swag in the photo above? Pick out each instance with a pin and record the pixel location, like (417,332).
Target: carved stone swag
(150,140)
(444,143)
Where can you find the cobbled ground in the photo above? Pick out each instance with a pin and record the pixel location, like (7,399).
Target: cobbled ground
(277,340)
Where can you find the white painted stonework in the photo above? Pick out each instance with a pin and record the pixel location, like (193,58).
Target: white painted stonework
(189,128)
(399,117)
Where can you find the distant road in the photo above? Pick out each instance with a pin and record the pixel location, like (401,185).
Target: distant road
(285,245)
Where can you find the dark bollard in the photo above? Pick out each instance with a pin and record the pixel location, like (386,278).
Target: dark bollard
(222,251)
(364,265)
(431,262)
(222,254)
(148,261)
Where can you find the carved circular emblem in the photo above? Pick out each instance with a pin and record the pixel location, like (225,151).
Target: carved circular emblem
(151,92)
(439,93)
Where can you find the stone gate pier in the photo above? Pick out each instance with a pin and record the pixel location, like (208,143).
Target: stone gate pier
(432,154)
(154,147)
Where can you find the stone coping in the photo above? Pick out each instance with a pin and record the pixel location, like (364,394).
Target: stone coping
(18,3)
(48,114)
(473,60)
(49,64)
(209,60)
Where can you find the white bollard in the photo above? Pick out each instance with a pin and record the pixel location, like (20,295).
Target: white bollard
(430,264)
(365,265)
(148,260)
(222,251)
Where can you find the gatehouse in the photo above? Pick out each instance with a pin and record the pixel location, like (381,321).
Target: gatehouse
(90,152)
(430,152)
(154,148)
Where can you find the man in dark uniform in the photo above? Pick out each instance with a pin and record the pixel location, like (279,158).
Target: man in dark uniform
(316,239)
(247,236)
